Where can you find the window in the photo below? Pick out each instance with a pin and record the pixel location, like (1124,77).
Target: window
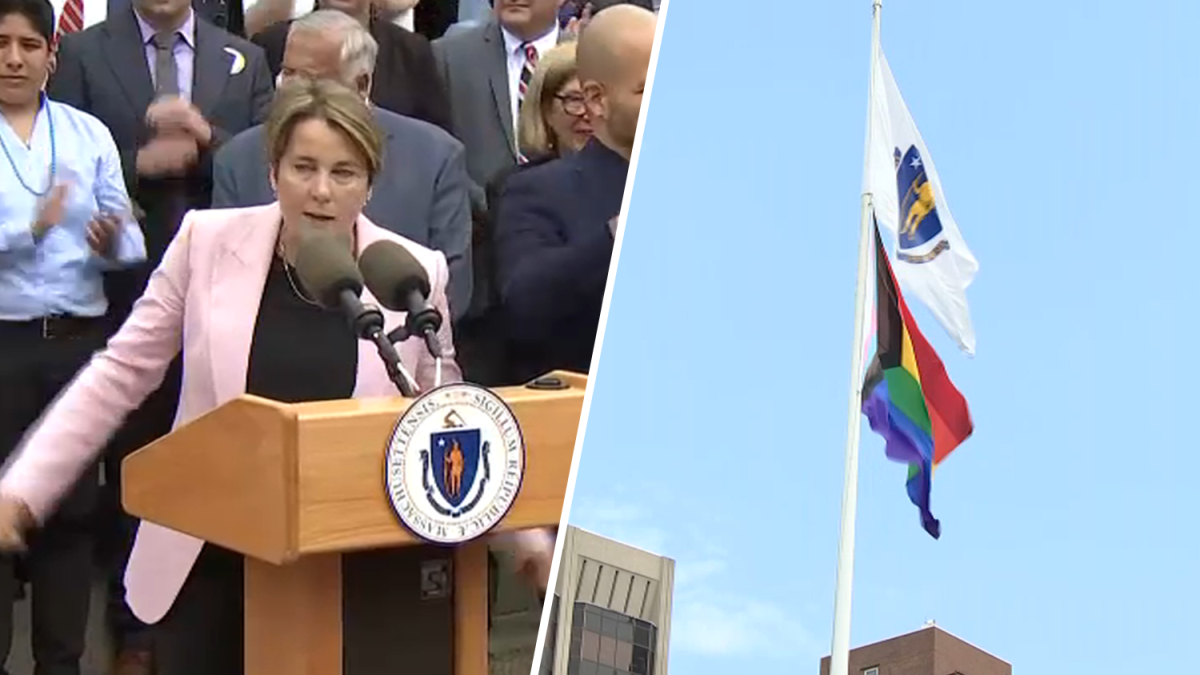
(640,663)
(591,647)
(608,651)
(874,670)
(605,642)
(641,636)
(624,655)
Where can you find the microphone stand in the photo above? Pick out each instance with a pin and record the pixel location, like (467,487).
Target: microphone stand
(402,333)
(367,324)
(391,362)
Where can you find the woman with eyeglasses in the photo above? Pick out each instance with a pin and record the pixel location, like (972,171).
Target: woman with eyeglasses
(551,123)
(553,118)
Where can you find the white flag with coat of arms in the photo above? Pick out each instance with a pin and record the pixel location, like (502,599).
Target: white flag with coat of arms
(931,259)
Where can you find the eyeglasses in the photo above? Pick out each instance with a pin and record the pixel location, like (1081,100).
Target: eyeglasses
(572,104)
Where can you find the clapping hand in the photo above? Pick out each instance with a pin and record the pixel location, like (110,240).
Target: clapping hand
(576,25)
(15,521)
(167,155)
(102,233)
(50,211)
(174,115)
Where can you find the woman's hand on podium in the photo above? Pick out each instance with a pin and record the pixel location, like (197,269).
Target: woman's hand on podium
(15,521)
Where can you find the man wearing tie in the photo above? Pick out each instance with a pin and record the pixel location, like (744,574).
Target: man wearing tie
(556,223)
(226,14)
(171,87)
(486,69)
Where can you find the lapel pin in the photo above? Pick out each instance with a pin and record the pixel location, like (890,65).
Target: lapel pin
(239,61)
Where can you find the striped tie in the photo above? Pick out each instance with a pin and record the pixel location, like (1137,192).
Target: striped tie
(71,19)
(531,59)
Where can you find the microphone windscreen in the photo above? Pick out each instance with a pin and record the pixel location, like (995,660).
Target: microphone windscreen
(326,268)
(392,274)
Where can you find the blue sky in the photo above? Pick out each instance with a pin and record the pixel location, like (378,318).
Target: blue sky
(1066,136)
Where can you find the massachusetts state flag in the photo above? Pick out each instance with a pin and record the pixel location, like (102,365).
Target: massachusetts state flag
(932,260)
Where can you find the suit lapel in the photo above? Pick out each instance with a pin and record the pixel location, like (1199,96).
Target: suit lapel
(498,77)
(239,277)
(127,57)
(212,66)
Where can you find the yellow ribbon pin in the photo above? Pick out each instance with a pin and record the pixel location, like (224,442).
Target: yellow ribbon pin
(239,61)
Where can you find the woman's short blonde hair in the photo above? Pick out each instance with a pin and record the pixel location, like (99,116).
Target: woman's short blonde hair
(555,68)
(299,100)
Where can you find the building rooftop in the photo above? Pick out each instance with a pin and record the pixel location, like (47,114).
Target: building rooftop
(937,633)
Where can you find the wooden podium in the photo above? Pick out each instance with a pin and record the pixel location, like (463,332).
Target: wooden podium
(300,491)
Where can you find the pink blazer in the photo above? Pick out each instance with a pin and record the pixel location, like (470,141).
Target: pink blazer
(203,298)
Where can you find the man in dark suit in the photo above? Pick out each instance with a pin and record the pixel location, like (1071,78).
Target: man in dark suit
(406,79)
(422,191)
(483,68)
(167,130)
(226,14)
(171,88)
(557,222)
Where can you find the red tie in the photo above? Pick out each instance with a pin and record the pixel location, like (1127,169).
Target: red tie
(527,70)
(71,19)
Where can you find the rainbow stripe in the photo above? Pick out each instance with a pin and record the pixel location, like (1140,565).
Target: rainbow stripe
(907,396)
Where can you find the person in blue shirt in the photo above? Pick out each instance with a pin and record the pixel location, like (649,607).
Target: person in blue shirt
(65,219)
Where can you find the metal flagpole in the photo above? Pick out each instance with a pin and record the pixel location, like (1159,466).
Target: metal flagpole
(840,654)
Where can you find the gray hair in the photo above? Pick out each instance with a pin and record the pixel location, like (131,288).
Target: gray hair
(359,48)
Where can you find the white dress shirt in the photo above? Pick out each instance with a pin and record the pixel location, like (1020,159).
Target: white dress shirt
(516,63)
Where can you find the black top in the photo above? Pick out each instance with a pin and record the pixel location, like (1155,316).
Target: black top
(300,352)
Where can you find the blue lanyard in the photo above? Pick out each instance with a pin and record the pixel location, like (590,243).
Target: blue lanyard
(53,155)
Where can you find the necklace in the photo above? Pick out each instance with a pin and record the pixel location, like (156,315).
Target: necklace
(287,271)
(53,157)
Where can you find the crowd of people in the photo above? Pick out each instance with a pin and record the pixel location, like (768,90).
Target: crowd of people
(160,169)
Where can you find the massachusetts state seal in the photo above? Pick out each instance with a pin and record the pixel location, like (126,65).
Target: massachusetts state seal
(455,464)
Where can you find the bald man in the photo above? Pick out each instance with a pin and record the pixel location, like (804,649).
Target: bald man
(555,223)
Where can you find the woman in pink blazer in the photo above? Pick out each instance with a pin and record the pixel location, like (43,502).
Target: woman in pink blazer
(227,295)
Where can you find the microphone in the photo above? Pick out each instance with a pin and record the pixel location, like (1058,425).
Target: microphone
(327,272)
(400,284)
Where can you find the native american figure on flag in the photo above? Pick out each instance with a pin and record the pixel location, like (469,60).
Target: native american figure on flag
(922,206)
(933,262)
(454,470)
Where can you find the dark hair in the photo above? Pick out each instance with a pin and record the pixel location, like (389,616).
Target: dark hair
(40,14)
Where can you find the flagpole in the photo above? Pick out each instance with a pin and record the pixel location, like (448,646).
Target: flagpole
(840,653)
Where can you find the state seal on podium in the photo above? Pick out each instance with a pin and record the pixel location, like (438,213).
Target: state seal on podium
(454,464)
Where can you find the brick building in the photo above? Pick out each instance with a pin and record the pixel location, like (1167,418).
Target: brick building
(929,651)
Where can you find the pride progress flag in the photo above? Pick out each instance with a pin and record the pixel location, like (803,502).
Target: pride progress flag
(908,398)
